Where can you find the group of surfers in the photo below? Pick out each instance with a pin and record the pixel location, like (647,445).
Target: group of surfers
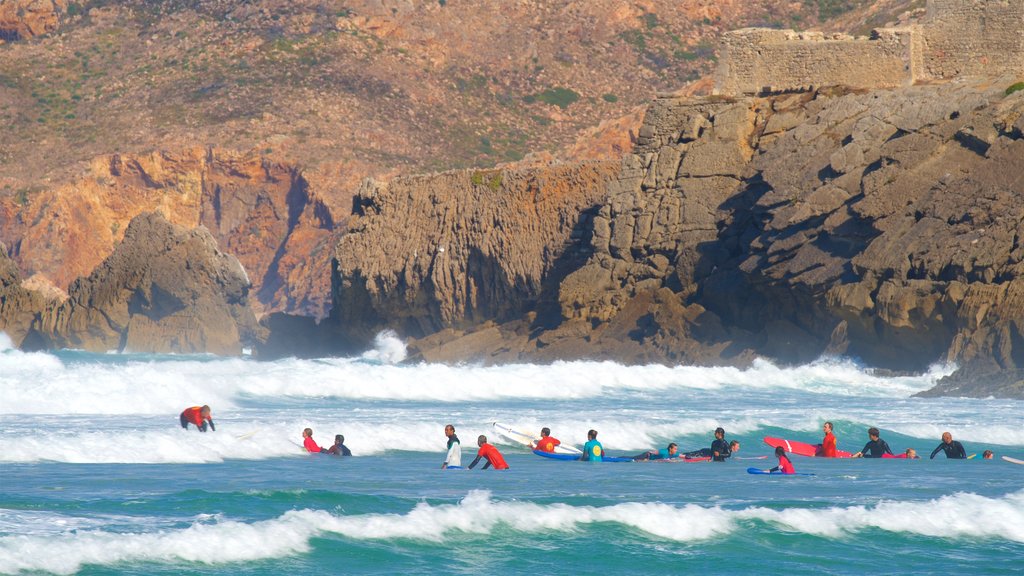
(593,451)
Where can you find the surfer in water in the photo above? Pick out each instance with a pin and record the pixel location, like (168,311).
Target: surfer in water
(785,465)
(339,448)
(308,443)
(547,442)
(827,448)
(671,451)
(198,415)
(988,455)
(593,451)
(952,448)
(719,451)
(490,453)
(453,459)
(875,448)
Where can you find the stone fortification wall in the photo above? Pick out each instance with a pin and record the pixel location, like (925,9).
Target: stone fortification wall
(967,38)
(956,38)
(755,60)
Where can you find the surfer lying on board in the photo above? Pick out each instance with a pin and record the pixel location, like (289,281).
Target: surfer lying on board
(453,458)
(875,448)
(592,450)
(827,448)
(198,415)
(339,448)
(785,466)
(952,448)
(547,442)
(308,443)
(672,451)
(490,453)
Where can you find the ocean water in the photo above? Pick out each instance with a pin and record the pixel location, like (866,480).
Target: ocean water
(97,477)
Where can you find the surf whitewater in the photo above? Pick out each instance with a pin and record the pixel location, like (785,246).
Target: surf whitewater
(96,475)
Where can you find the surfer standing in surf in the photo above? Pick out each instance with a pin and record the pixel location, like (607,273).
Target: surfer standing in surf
(453,459)
(547,442)
(827,448)
(490,453)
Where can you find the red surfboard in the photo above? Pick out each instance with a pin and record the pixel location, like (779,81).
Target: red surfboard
(800,448)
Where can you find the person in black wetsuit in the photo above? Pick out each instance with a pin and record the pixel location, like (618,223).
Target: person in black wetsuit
(875,447)
(339,448)
(952,448)
(719,451)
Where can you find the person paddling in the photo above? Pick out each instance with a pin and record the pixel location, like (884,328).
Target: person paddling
(309,444)
(785,465)
(198,415)
(339,448)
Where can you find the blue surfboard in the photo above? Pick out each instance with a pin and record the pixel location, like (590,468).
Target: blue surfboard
(575,457)
(767,473)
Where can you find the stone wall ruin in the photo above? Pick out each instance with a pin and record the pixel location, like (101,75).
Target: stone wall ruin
(955,38)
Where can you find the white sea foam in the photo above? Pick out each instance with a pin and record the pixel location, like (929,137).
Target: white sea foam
(217,541)
(388,348)
(40,383)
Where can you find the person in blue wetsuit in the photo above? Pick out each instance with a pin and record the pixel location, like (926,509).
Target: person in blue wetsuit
(952,448)
(875,446)
(592,450)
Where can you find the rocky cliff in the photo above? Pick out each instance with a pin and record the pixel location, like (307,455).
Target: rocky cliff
(265,213)
(164,289)
(22,19)
(884,226)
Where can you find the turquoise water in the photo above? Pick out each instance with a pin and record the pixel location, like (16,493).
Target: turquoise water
(96,476)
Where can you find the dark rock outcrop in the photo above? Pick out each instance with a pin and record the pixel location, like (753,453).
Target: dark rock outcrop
(19,306)
(884,226)
(455,250)
(164,289)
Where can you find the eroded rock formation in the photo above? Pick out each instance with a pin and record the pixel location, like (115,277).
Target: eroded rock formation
(262,212)
(462,248)
(164,289)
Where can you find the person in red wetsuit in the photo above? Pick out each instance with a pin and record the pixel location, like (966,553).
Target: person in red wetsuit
(308,443)
(827,448)
(490,453)
(198,415)
(785,466)
(547,442)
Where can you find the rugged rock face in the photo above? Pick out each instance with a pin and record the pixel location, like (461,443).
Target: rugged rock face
(461,248)
(164,289)
(22,19)
(19,306)
(262,212)
(884,226)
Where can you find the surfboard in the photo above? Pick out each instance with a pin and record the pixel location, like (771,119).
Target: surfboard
(799,448)
(749,457)
(524,439)
(1013,460)
(767,473)
(556,456)
(247,435)
(683,460)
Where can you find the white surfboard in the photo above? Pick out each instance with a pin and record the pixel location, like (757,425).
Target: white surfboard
(1013,460)
(526,440)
